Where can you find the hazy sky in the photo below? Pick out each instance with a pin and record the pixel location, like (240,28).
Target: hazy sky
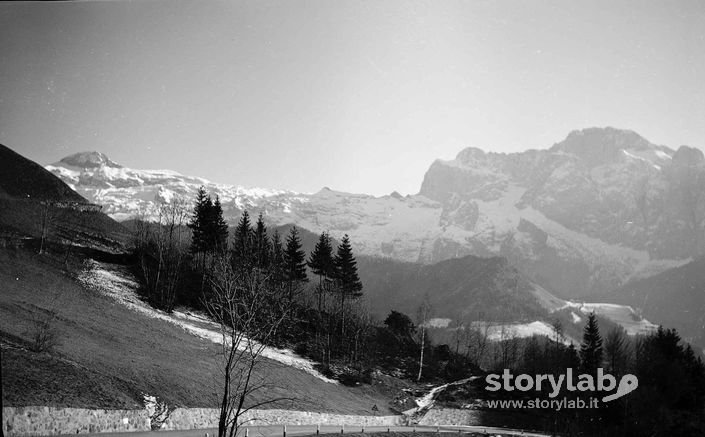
(359,96)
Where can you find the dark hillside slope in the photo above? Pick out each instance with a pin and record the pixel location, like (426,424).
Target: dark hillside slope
(108,354)
(674,298)
(462,288)
(22,178)
(308,238)
(468,287)
(33,201)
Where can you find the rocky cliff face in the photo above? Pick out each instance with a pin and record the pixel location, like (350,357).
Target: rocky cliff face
(607,190)
(583,216)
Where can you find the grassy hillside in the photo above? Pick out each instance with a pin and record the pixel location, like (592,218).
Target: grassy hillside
(23,219)
(108,355)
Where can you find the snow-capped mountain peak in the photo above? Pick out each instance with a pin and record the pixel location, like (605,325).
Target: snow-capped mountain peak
(88,160)
(127,193)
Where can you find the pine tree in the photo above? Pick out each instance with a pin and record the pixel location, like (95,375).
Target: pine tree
(261,247)
(321,263)
(294,261)
(198,221)
(218,227)
(242,243)
(616,351)
(572,358)
(209,229)
(276,265)
(346,276)
(591,347)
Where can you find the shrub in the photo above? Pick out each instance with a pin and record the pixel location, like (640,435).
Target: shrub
(44,335)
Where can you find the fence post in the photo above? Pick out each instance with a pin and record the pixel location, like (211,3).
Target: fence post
(318,429)
(247,432)
(284,431)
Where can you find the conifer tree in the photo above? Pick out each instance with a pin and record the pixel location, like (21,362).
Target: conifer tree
(276,264)
(294,261)
(616,351)
(591,347)
(242,243)
(198,221)
(346,276)
(217,228)
(572,357)
(261,247)
(209,228)
(321,263)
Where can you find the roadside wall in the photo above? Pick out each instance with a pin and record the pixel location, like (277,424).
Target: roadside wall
(450,416)
(44,421)
(198,418)
(32,421)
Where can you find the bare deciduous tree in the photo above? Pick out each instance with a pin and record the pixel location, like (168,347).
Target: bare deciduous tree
(507,348)
(162,248)
(48,215)
(249,308)
(359,327)
(477,341)
(423,315)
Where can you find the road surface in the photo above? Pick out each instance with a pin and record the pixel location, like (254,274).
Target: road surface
(307,430)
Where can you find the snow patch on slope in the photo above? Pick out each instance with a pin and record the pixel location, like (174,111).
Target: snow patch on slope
(437,323)
(121,287)
(623,315)
(506,331)
(576,318)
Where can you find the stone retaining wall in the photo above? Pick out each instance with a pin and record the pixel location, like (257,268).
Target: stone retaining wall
(450,416)
(44,421)
(35,421)
(199,418)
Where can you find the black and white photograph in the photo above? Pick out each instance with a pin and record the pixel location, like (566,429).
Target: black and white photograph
(360,218)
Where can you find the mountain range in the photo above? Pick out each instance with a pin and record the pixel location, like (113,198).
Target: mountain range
(505,238)
(585,216)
